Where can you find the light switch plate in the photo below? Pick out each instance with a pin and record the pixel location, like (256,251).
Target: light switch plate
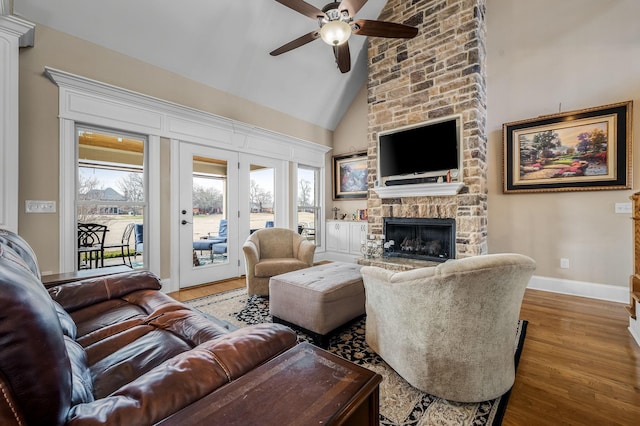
(40,206)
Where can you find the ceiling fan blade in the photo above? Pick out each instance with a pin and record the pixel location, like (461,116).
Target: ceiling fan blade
(352,6)
(303,7)
(366,27)
(343,57)
(300,41)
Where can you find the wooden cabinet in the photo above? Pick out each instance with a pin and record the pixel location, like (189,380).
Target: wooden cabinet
(634,280)
(344,238)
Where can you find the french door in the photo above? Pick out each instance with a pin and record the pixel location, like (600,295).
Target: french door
(209,241)
(224,197)
(263,195)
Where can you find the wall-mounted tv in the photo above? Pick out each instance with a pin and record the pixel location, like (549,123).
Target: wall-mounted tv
(427,150)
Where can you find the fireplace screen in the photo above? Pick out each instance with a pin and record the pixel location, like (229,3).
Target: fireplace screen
(419,238)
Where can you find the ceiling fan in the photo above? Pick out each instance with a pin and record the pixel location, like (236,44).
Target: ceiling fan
(336,26)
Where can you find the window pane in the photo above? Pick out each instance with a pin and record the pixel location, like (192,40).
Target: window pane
(308,210)
(261,197)
(111,192)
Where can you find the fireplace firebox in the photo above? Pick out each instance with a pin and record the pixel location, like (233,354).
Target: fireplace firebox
(420,238)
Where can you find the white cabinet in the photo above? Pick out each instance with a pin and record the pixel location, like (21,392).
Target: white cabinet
(344,238)
(358,234)
(338,236)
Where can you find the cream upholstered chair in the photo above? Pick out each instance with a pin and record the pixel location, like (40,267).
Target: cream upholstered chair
(274,251)
(449,330)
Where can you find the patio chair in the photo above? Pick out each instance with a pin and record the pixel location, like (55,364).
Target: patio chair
(91,245)
(124,245)
(139,234)
(217,244)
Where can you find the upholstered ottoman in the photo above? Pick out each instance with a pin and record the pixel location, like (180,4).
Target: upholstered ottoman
(318,299)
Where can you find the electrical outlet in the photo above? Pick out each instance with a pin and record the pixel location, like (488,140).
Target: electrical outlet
(623,208)
(564,263)
(40,206)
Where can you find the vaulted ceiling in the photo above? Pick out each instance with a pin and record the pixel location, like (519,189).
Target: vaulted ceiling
(224,44)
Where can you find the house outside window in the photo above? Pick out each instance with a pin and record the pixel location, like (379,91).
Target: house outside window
(110,190)
(308,207)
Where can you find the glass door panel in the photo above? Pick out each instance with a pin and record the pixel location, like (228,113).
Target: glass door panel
(261,197)
(262,202)
(208,231)
(209,212)
(308,208)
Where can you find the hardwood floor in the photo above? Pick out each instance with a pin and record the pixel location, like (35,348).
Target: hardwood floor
(579,365)
(207,289)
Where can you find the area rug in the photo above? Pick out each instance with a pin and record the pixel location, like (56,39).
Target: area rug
(400,403)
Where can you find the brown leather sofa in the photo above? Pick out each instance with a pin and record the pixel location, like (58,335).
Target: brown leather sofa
(111,350)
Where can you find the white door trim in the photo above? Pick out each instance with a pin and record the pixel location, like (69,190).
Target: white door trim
(94,103)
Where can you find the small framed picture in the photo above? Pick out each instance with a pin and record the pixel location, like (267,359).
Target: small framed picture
(350,176)
(582,150)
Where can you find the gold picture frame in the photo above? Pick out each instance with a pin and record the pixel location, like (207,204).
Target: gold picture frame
(588,149)
(350,176)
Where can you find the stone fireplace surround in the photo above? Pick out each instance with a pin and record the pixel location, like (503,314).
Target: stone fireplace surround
(440,72)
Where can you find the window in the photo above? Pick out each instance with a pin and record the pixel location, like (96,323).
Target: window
(261,197)
(110,191)
(308,203)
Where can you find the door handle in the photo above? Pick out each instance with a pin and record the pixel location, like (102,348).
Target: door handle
(184,222)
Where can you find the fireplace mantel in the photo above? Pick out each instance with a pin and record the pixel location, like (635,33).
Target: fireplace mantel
(418,190)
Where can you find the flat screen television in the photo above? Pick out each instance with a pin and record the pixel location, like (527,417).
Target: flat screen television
(429,149)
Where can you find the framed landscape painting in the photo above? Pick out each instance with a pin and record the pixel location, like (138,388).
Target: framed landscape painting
(350,176)
(589,149)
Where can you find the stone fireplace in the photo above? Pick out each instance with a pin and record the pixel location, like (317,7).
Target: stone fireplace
(420,238)
(439,73)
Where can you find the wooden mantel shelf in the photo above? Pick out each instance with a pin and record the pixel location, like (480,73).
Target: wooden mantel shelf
(418,190)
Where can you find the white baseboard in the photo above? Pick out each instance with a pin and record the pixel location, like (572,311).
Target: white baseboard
(634,329)
(608,292)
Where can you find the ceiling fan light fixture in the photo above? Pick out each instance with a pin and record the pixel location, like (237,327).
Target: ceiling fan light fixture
(335,33)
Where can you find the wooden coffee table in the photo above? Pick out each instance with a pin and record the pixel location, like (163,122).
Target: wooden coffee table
(303,386)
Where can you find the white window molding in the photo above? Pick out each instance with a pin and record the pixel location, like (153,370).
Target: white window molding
(90,102)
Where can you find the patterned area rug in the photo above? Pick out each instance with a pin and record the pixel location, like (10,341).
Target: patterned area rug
(400,403)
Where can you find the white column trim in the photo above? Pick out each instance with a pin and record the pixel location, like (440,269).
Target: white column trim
(14,33)
(66,195)
(152,215)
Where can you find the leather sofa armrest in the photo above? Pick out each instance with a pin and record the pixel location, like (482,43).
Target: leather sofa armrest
(79,294)
(186,377)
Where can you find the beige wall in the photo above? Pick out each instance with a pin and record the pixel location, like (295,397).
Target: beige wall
(350,136)
(39,134)
(586,55)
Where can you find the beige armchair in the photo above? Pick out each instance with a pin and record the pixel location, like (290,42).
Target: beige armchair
(274,251)
(449,330)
